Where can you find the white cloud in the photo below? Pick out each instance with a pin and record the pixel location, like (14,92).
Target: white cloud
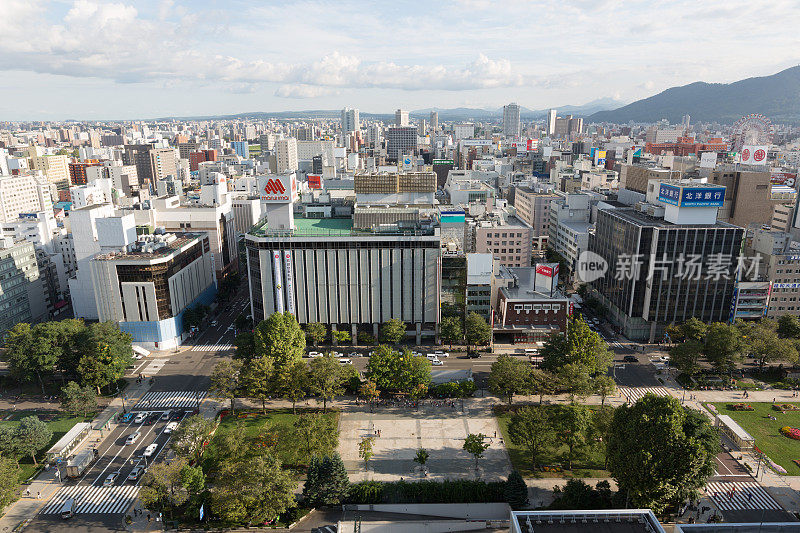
(300,91)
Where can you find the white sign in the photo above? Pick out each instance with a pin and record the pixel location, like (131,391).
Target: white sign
(407,159)
(276,266)
(287,256)
(754,154)
(708,160)
(547,151)
(277,188)
(476,142)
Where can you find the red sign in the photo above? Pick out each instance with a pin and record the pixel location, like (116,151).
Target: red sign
(314,181)
(546,270)
(759,155)
(783,178)
(745,154)
(274,187)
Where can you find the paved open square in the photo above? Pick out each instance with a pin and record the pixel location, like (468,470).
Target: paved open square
(440,430)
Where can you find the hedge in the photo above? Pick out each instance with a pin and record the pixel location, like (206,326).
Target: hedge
(453,389)
(457,491)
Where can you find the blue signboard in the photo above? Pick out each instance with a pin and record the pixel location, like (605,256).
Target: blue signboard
(691,196)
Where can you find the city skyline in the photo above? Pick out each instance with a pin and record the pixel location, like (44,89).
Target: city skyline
(122,60)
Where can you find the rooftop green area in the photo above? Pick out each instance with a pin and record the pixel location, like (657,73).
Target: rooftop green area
(323,225)
(326,227)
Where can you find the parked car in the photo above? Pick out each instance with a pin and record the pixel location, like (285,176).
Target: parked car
(135,473)
(473,354)
(166,415)
(314,354)
(150,450)
(416,354)
(436,362)
(630,359)
(111,478)
(214,323)
(140,417)
(441,354)
(132,438)
(172,426)
(354,354)
(345,361)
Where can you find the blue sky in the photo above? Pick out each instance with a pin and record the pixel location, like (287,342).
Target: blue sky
(89,59)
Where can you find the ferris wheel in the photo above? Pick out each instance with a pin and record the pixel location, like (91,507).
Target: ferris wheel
(752,129)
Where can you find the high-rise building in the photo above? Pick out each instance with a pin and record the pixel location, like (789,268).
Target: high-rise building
(552,115)
(286,154)
(434,123)
(23,194)
(511,124)
(400,141)
(533,208)
(22,298)
(54,167)
(400,118)
(163,163)
(350,120)
(242,149)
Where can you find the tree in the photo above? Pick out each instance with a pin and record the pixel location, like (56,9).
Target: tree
(450,330)
(658,453)
(245,343)
(764,344)
(397,371)
(686,356)
(601,428)
(604,386)
(573,378)
(477,330)
(314,434)
(724,346)
(78,400)
(393,331)
(693,329)
(572,423)
(580,345)
(280,338)
(316,332)
(541,382)
(164,488)
(294,384)
(253,491)
(789,327)
(9,481)
(341,336)
(226,380)
(516,491)
(106,353)
(31,435)
(31,352)
(187,440)
(369,391)
(509,376)
(421,458)
(8,441)
(475,444)
(242,323)
(326,481)
(256,380)
(325,378)
(365,450)
(532,428)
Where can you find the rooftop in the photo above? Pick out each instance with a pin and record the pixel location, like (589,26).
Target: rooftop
(525,286)
(643,219)
(605,521)
(331,227)
(152,249)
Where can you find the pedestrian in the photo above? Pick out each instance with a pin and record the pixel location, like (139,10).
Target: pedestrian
(149,518)
(38,495)
(749,496)
(28,492)
(495,434)
(773,400)
(379,432)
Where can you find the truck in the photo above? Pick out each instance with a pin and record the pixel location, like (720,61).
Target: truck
(78,463)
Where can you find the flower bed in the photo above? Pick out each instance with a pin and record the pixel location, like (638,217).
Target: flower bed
(742,407)
(783,407)
(792,433)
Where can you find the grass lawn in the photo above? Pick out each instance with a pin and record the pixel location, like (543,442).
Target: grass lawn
(59,423)
(590,465)
(780,449)
(276,430)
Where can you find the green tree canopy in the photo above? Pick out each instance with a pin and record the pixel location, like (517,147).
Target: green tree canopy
(516,491)
(573,424)
(686,356)
(31,436)
(316,332)
(165,488)
(326,481)
(78,400)
(532,428)
(477,331)
(9,481)
(226,380)
(257,380)
(789,327)
(724,346)
(509,376)
(392,331)
(658,453)
(580,345)
(451,330)
(280,338)
(475,444)
(325,378)
(294,384)
(397,371)
(187,441)
(765,345)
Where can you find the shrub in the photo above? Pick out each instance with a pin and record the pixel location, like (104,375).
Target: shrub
(453,389)
(456,491)
(367,339)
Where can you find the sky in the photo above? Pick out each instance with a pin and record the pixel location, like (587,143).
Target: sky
(89,59)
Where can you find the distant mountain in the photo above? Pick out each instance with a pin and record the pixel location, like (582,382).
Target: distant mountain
(469,113)
(776,97)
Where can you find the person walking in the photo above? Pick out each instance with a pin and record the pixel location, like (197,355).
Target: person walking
(28,492)
(38,495)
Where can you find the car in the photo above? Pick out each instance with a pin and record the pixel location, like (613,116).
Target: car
(337,354)
(172,426)
(228,308)
(214,323)
(140,417)
(473,354)
(630,359)
(314,354)
(663,358)
(135,473)
(431,356)
(127,417)
(441,354)
(354,354)
(166,415)
(371,353)
(137,356)
(177,415)
(132,438)
(150,450)
(150,420)
(345,361)
(111,478)
(436,362)
(416,354)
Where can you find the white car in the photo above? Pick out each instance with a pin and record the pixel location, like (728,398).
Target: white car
(137,356)
(172,426)
(150,450)
(132,438)
(135,473)
(354,354)
(432,356)
(111,478)
(345,361)
(416,354)
(314,354)
(140,417)
(436,362)
(441,354)
(337,354)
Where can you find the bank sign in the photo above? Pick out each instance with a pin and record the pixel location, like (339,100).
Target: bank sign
(275,189)
(691,196)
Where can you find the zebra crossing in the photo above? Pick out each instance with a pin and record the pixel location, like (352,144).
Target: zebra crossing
(154,366)
(746,495)
(93,500)
(220,347)
(167,399)
(632,394)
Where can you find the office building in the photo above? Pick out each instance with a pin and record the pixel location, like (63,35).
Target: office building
(241,148)
(505,237)
(550,127)
(752,199)
(23,194)
(350,120)
(434,123)
(201,156)
(533,208)
(286,154)
(400,141)
(569,226)
(54,167)
(668,260)
(480,278)
(22,291)
(400,118)
(511,123)
(779,266)
(163,163)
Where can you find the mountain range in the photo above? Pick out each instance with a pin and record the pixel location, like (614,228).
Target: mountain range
(469,113)
(776,97)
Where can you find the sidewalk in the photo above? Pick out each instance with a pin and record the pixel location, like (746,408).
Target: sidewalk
(26,508)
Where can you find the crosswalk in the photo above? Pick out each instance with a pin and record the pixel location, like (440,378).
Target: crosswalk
(632,394)
(221,347)
(746,495)
(154,366)
(167,399)
(93,500)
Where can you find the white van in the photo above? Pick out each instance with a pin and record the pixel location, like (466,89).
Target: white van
(432,356)
(68,509)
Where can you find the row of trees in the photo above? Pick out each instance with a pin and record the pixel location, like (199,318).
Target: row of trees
(94,354)
(724,345)
(475,331)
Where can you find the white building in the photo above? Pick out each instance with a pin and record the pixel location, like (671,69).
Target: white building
(286,154)
(350,120)
(570,226)
(23,194)
(400,118)
(511,123)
